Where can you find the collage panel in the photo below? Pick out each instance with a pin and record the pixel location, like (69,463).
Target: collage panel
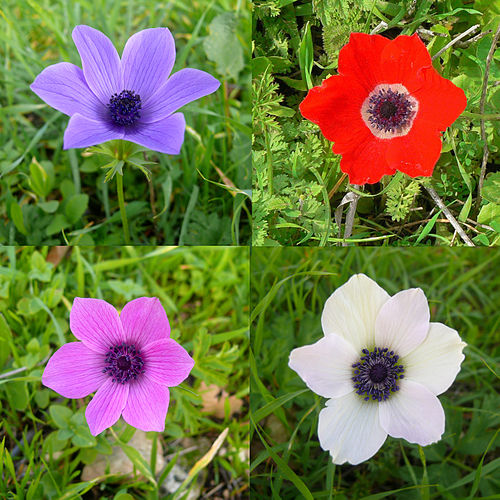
(376,123)
(373,373)
(160,334)
(125,122)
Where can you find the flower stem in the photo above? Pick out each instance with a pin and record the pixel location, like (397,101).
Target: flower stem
(121,203)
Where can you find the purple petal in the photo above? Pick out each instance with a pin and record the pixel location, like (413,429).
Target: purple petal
(166,362)
(96,323)
(63,87)
(147,60)
(144,321)
(106,406)
(147,405)
(184,86)
(100,61)
(83,132)
(165,136)
(74,371)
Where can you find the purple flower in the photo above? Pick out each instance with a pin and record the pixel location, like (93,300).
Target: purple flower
(132,99)
(128,359)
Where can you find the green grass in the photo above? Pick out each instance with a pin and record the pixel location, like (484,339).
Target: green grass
(50,196)
(44,439)
(288,290)
(298,185)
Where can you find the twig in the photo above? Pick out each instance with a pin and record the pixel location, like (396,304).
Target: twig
(349,218)
(448,215)
(13,372)
(380,27)
(474,39)
(455,40)
(482,103)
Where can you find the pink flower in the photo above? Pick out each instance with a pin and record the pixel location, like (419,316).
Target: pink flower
(128,359)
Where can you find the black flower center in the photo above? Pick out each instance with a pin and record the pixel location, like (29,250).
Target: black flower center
(123,362)
(124,107)
(389,110)
(376,373)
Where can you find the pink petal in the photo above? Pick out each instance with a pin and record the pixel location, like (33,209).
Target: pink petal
(147,405)
(100,61)
(413,413)
(326,366)
(144,321)
(96,323)
(74,371)
(403,322)
(147,60)
(350,430)
(106,406)
(166,362)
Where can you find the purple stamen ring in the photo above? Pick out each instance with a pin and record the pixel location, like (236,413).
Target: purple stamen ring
(124,107)
(389,111)
(123,362)
(376,373)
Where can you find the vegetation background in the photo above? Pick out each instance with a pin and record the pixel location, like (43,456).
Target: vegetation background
(50,196)
(298,185)
(288,290)
(45,443)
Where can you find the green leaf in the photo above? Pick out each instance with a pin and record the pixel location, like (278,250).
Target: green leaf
(489,213)
(16,214)
(39,180)
(59,222)
(41,270)
(61,416)
(17,393)
(76,207)
(137,459)
(491,188)
(222,45)
(306,56)
(5,337)
(48,207)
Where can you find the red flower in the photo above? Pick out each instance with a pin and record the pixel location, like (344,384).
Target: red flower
(385,109)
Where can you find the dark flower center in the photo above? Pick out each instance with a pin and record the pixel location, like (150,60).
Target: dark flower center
(123,362)
(376,373)
(390,111)
(124,107)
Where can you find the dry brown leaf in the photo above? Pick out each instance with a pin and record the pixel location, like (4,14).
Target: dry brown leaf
(214,398)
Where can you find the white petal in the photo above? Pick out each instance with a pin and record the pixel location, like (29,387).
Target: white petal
(352,309)
(349,429)
(436,361)
(413,413)
(325,366)
(403,322)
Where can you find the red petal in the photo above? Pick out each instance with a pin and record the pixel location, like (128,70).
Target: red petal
(366,164)
(360,58)
(336,107)
(440,101)
(416,154)
(402,58)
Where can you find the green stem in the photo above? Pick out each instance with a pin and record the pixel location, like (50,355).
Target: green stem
(479,116)
(121,203)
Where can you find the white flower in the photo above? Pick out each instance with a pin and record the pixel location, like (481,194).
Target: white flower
(381,363)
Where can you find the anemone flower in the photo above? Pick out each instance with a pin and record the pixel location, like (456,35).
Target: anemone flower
(382,365)
(385,109)
(134,98)
(128,360)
